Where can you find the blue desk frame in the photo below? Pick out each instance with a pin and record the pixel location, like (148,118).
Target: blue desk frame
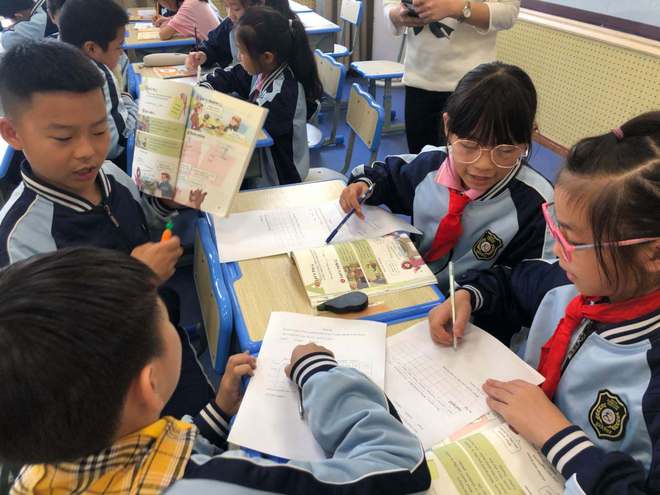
(231,273)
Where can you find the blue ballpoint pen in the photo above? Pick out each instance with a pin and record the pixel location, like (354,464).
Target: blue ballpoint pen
(364,197)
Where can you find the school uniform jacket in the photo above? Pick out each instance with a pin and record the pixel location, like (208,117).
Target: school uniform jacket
(610,383)
(220,47)
(350,417)
(33,29)
(504,226)
(39,217)
(122,112)
(287,161)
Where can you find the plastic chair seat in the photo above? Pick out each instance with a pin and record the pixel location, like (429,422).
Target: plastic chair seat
(314,137)
(339,51)
(320,174)
(378,69)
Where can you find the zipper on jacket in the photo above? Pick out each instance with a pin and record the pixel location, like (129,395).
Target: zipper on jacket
(112,218)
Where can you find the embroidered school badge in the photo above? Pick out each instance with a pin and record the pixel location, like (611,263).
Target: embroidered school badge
(487,246)
(608,416)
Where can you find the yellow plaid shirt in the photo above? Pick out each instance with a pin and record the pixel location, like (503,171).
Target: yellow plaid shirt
(145,462)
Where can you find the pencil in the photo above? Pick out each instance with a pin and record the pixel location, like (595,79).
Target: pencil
(453,304)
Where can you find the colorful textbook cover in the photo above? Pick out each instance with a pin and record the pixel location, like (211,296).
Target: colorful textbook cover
(193,144)
(373,266)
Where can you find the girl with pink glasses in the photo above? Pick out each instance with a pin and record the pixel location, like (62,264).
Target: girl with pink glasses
(593,318)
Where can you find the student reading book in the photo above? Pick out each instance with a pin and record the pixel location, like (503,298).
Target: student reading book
(193,145)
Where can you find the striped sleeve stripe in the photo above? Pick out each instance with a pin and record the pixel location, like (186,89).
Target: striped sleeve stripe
(478,298)
(565,446)
(310,364)
(212,422)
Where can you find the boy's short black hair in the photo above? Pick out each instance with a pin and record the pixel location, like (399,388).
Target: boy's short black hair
(9,8)
(41,67)
(76,327)
(91,20)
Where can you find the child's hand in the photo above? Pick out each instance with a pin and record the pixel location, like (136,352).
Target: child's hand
(196,198)
(160,20)
(230,394)
(161,257)
(301,351)
(440,323)
(526,408)
(350,198)
(195,59)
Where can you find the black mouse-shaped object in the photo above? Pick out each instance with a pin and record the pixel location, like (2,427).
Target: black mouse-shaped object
(351,302)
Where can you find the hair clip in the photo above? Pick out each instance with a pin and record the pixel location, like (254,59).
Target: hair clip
(618,133)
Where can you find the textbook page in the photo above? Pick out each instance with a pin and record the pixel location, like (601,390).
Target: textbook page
(268,420)
(373,266)
(220,137)
(491,460)
(161,125)
(437,390)
(260,233)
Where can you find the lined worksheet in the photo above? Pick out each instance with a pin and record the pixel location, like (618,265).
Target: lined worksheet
(269,420)
(260,233)
(437,390)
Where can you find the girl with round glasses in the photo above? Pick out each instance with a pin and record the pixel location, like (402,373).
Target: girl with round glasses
(477,202)
(593,318)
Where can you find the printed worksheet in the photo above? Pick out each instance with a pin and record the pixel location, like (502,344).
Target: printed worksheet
(278,429)
(437,390)
(260,233)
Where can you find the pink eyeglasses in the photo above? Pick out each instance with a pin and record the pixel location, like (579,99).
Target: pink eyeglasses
(567,248)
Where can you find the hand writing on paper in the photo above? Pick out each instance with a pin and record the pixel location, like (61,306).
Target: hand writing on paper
(526,408)
(440,324)
(161,257)
(159,20)
(196,197)
(230,391)
(350,198)
(400,16)
(300,351)
(195,59)
(436,10)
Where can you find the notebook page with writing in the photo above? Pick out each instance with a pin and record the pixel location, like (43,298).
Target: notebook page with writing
(268,420)
(437,390)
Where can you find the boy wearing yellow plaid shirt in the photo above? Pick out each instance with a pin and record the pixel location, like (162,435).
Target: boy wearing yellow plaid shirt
(89,362)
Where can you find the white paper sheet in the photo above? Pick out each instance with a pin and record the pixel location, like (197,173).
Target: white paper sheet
(268,420)
(260,233)
(437,390)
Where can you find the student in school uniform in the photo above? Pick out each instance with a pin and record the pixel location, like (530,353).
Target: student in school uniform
(277,72)
(221,47)
(30,22)
(479,202)
(69,194)
(106,434)
(191,18)
(97,28)
(593,318)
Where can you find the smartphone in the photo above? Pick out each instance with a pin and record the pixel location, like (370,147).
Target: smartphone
(408,4)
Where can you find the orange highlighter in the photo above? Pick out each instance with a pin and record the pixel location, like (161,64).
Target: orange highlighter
(167,233)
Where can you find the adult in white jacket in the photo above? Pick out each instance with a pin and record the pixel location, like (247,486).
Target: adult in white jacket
(434,63)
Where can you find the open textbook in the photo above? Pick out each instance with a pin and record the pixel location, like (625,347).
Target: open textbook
(193,144)
(260,233)
(373,266)
(488,458)
(437,390)
(278,429)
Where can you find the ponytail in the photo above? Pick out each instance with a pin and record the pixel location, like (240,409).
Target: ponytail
(264,29)
(302,62)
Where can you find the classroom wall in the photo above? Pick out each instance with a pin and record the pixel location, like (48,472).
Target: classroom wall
(589,79)
(385,44)
(644,11)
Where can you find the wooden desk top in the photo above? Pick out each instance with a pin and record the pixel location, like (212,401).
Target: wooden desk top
(132,40)
(400,327)
(273,284)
